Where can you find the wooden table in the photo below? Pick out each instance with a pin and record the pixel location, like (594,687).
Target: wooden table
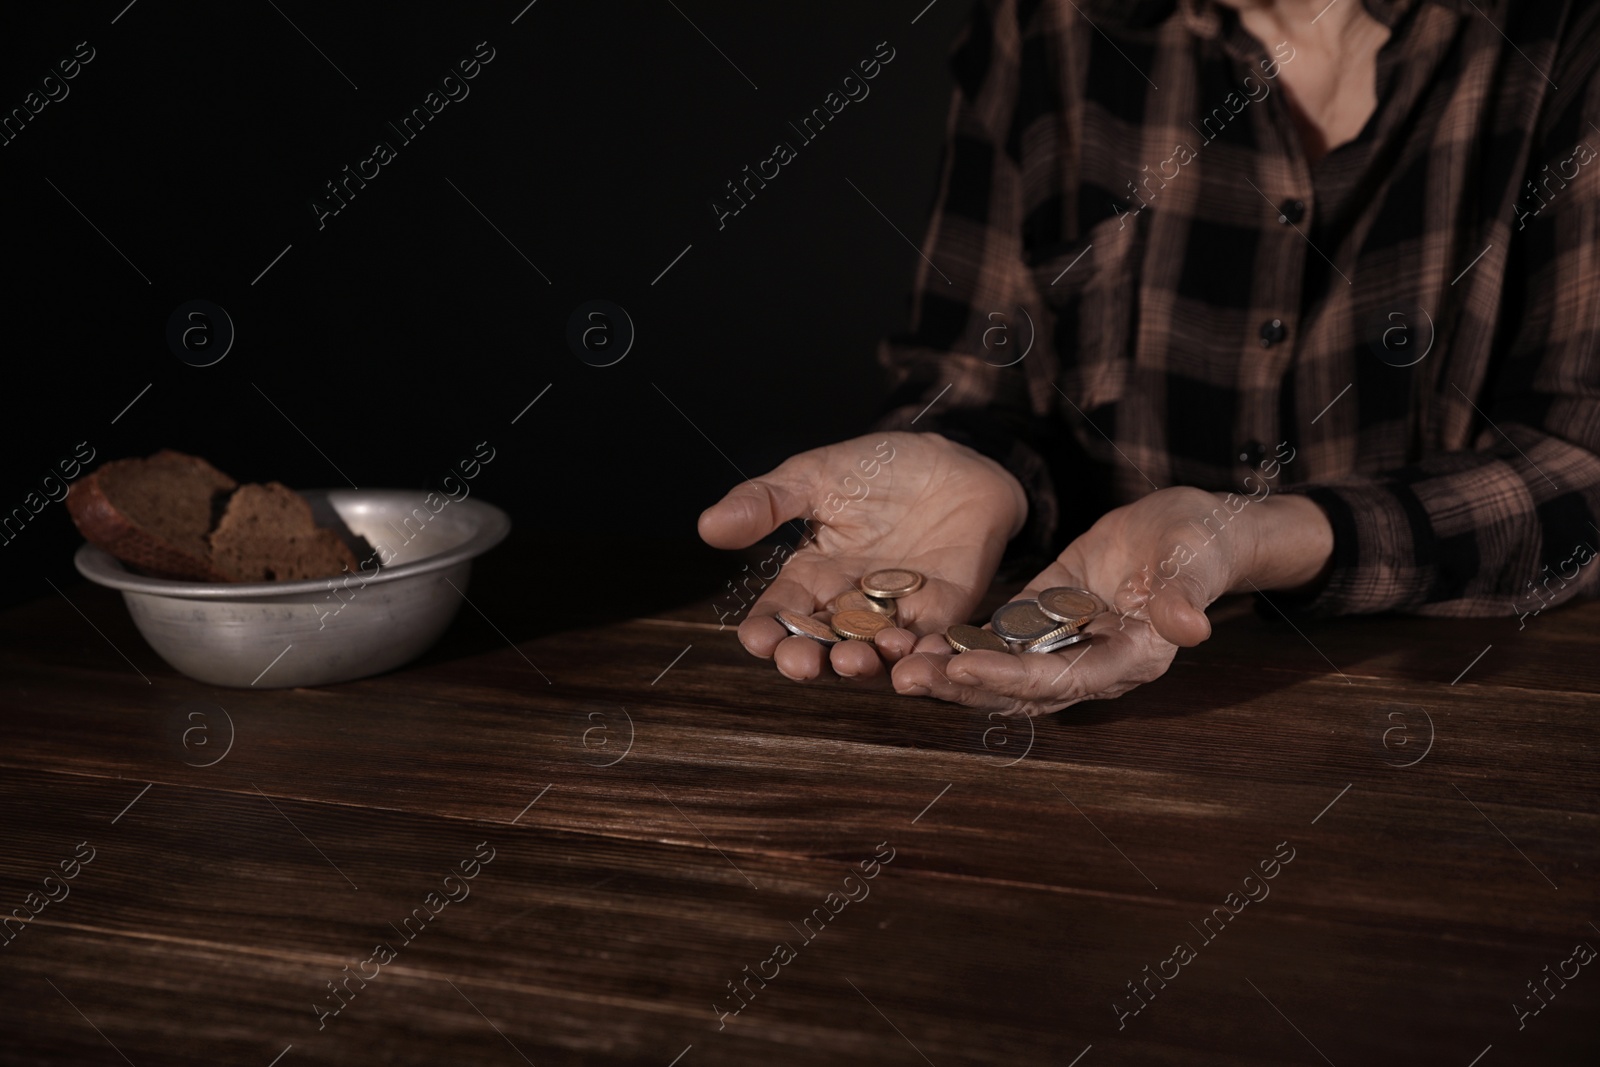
(1433,781)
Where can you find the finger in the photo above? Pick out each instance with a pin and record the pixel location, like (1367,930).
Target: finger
(1026,676)
(760,632)
(1177,619)
(935,644)
(944,598)
(920,673)
(1112,663)
(855,659)
(1177,608)
(753,509)
(923,674)
(895,643)
(798,658)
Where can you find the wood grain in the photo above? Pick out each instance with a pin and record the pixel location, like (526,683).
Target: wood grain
(1038,867)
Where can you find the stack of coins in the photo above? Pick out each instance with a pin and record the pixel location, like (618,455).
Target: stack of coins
(1073,609)
(861,619)
(891,584)
(807,626)
(858,614)
(1069,605)
(1053,621)
(856,600)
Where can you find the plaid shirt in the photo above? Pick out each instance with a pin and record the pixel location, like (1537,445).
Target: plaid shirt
(1404,331)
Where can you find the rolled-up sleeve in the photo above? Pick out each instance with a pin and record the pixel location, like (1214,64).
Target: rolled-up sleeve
(1509,526)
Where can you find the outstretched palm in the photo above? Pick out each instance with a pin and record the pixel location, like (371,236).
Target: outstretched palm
(909,500)
(1158,562)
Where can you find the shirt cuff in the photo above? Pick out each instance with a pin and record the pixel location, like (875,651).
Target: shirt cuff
(1376,564)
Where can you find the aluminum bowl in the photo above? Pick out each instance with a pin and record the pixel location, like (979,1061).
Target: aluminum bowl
(318,631)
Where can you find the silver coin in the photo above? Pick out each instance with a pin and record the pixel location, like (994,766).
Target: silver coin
(1021,620)
(806,626)
(1059,643)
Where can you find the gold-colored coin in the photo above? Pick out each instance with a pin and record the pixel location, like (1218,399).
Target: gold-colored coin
(964,638)
(859,625)
(806,626)
(883,605)
(1067,604)
(856,600)
(1021,620)
(1066,629)
(891,583)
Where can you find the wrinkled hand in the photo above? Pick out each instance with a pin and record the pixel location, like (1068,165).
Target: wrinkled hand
(886,500)
(1158,563)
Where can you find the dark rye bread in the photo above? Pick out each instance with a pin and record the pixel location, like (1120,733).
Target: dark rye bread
(268,534)
(154,513)
(175,516)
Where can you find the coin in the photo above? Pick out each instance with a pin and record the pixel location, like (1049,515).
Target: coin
(856,600)
(806,626)
(965,638)
(1066,629)
(1056,645)
(859,625)
(1067,604)
(891,583)
(1021,620)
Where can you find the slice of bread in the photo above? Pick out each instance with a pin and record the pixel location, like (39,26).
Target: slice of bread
(154,513)
(173,515)
(267,534)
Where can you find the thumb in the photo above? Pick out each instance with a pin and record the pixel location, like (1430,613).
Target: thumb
(1177,609)
(1176,616)
(753,509)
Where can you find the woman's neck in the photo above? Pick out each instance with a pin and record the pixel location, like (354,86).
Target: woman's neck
(1333,17)
(1331,83)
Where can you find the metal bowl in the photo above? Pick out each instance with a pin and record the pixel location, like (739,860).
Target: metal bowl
(314,632)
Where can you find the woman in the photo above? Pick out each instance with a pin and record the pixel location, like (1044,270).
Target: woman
(1310,290)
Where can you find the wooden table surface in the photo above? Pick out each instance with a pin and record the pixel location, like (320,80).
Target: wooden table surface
(1432,783)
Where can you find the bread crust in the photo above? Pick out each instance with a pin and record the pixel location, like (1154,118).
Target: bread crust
(231,535)
(106,526)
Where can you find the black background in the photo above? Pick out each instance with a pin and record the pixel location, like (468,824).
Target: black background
(407,330)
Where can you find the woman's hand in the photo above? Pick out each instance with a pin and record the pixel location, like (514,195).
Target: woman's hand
(1158,563)
(915,500)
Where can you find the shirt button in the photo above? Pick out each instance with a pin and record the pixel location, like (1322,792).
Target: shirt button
(1252,452)
(1272,331)
(1291,211)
